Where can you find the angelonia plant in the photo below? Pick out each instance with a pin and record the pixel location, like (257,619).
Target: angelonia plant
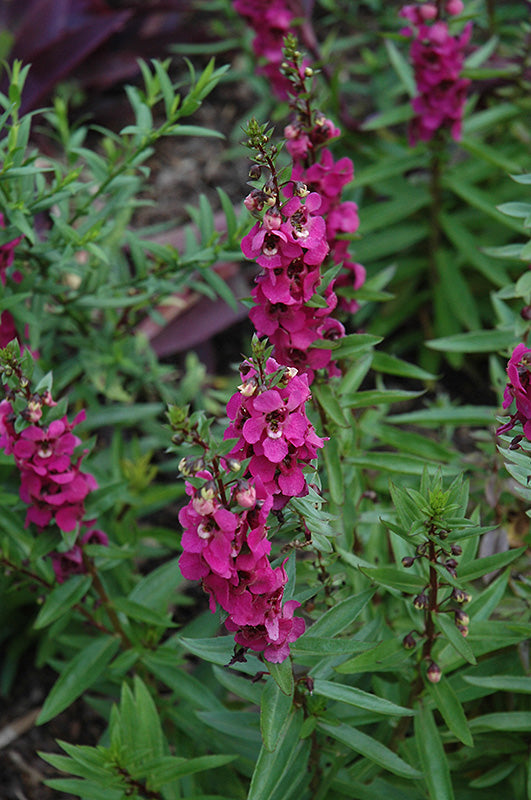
(306,576)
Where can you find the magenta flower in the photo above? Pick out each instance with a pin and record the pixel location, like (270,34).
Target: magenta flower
(437,59)
(52,484)
(518,389)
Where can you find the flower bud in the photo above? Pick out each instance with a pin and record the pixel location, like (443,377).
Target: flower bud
(463,630)
(248,388)
(233,464)
(461,617)
(421,601)
(450,563)
(255,172)
(300,189)
(409,641)
(456,549)
(408,561)
(428,11)
(454,7)
(461,596)
(433,673)
(245,495)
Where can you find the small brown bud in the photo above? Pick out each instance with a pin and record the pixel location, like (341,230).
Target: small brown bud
(456,549)
(433,673)
(408,561)
(450,563)
(255,172)
(421,601)
(409,641)
(461,617)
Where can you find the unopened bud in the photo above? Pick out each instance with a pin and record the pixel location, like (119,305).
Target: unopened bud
(33,411)
(24,382)
(461,617)
(245,495)
(255,172)
(300,189)
(454,7)
(456,549)
(463,630)
(515,443)
(408,561)
(433,672)
(409,641)
(421,601)
(460,596)
(450,563)
(233,464)
(308,72)
(248,388)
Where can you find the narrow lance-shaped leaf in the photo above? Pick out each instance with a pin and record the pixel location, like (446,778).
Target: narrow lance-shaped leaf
(81,673)
(451,710)
(432,756)
(275,709)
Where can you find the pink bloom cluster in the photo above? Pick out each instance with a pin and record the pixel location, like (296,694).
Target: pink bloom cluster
(271,20)
(228,551)
(328,178)
(225,542)
(8,330)
(52,483)
(519,390)
(71,562)
(437,59)
(290,245)
(272,429)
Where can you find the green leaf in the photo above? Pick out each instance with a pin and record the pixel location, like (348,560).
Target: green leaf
(387,656)
(221,287)
(432,756)
(228,209)
(78,675)
(394,578)
(433,417)
(358,698)
(456,639)
(329,403)
(520,684)
(385,119)
(318,646)
(142,613)
(493,776)
(334,471)
(370,748)
(85,789)
(282,674)
(519,721)
(375,397)
(482,566)
(155,589)
(275,708)
(170,768)
(391,365)
(451,710)
(475,341)
(339,617)
(401,67)
(277,773)
(195,130)
(240,724)
(61,599)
